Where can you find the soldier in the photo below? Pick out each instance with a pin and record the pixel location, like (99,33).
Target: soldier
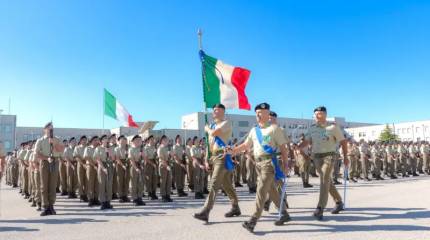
(189,160)
(353,155)
(264,139)
(48,150)
(78,154)
(198,169)
(425,152)
(27,159)
(37,195)
(364,159)
(135,154)
(179,166)
(304,160)
(391,158)
(24,170)
(251,173)
(420,162)
(14,169)
(72,178)
(102,155)
(112,146)
(219,133)
(123,168)
(151,168)
(2,160)
(63,172)
(92,183)
(402,162)
(412,159)
(324,137)
(377,161)
(164,170)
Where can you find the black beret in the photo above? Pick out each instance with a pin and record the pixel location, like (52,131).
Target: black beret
(103,137)
(72,139)
(48,125)
(83,137)
(135,137)
(151,136)
(321,109)
(122,136)
(94,138)
(273,114)
(219,105)
(112,136)
(265,106)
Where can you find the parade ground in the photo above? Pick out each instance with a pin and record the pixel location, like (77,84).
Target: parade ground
(389,209)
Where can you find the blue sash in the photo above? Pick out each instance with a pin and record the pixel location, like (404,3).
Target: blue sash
(279,175)
(228,163)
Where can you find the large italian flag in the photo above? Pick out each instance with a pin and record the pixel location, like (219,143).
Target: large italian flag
(115,110)
(224,84)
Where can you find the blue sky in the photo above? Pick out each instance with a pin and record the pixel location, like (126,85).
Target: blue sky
(365,60)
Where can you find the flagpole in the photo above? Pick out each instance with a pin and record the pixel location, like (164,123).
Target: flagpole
(103,113)
(199,34)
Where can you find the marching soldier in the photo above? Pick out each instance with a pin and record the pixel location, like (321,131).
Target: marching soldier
(112,146)
(219,134)
(48,150)
(353,155)
(123,169)
(198,169)
(251,173)
(103,155)
(189,161)
(265,138)
(63,172)
(37,195)
(92,183)
(136,170)
(164,170)
(425,152)
(402,163)
(72,178)
(364,159)
(24,170)
(151,168)
(180,166)
(391,158)
(78,154)
(304,164)
(323,138)
(377,161)
(412,159)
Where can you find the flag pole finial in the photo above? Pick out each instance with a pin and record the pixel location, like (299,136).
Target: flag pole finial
(199,34)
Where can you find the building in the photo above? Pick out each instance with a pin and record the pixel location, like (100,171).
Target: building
(294,127)
(406,131)
(7,131)
(24,134)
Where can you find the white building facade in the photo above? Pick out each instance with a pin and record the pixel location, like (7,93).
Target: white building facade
(406,131)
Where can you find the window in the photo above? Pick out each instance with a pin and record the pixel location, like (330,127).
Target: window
(243,124)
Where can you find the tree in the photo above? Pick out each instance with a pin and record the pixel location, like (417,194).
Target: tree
(387,135)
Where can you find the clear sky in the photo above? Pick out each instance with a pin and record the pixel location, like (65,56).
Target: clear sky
(365,60)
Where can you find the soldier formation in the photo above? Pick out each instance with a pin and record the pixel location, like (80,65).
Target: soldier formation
(100,169)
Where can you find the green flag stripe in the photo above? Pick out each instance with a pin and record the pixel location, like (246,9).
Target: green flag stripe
(211,82)
(110,105)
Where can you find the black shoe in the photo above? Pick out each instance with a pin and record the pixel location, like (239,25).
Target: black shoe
(33,204)
(336,182)
(393,177)
(169,199)
(250,225)
(353,180)
(52,210)
(307,185)
(57,190)
(74,195)
(283,219)
(181,193)
(84,198)
(97,202)
(121,200)
(338,208)
(368,179)
(234,212)
(91,203)
(39,207)
(318,213)
(202,216)
(164,199)
(45,212)
(114,196)
(267,206)
(64,193)
(205,191)
(199,195)
(415,174)
(238,185)
(69,196)
(103,206)
(30,199)
(421,172)
(108,205)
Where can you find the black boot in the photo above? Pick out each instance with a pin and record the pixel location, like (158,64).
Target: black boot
(181,193)
(203,215)
(84,198)
(39,206)
(52,210)
(169,199)
(338,208)
(318,213)
(64,193)
(45,212)
(206,191)
(250,224)
(97,202)
(114,196)
(108,205)
(234,212)
(267,205)
(103,206)
(164,199)
(33,204)
(285,217)
(199,195)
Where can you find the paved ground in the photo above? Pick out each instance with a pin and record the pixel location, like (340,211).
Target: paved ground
(375,210)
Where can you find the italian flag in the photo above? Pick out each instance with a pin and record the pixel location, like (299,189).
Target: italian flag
(224,84)
(115,110)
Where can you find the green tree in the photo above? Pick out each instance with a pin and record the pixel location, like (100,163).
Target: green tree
(387,135)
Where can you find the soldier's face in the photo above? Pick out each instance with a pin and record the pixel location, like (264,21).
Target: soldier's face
(218,113)
(137,142)
(262,115)
(178,141)
(124,141)
(320,116)
(84,141)
(273,120)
